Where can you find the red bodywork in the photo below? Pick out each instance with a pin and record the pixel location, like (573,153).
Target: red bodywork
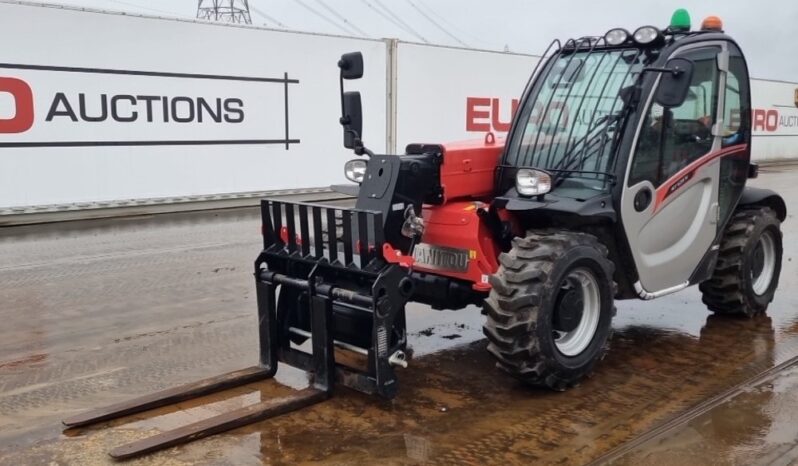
(467,177)
(469,168)
(457,225)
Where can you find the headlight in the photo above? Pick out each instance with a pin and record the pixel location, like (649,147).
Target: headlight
(616,36)
(646,35)
(355,170)
(530,182)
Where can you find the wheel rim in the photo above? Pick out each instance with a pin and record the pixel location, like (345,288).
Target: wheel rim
(571,340)
(764,263)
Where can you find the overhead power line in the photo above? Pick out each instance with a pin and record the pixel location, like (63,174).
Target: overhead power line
(392,14)
(324,17)
(399,19)
(342,18)
(442,19)
(270,18)
(429,18)
(394,22)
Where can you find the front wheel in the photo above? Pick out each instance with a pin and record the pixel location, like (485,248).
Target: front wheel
(550,308)
(749,264)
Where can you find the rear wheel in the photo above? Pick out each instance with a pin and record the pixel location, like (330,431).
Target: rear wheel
(749,264)
(550,308)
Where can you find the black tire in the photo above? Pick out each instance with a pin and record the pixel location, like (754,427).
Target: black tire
(730,290)
(521,307)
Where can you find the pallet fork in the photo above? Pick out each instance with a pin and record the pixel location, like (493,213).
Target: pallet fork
(336,289)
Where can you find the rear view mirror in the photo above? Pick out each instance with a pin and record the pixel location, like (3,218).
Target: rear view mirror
(675,82)
(351,65)
(352,119)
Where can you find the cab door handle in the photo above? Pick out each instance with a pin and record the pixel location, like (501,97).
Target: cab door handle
(642,199)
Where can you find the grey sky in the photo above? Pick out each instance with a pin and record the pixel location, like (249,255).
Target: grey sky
(764,28)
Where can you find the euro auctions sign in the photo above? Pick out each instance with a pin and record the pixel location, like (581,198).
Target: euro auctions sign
(21,115)
(774,120)
(488,114)
(49,106)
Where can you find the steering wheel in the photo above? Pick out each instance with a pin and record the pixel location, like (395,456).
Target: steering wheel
(691,131)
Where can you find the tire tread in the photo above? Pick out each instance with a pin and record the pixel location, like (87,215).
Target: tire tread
(514,303)
(725,292)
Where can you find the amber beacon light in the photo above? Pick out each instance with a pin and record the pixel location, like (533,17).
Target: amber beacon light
(712,23)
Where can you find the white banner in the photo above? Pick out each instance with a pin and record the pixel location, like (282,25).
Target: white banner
(447,94)
(89,107)
(774,119)
(105,107)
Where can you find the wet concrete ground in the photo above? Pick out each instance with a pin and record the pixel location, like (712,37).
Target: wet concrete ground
(756,425)
(96,312)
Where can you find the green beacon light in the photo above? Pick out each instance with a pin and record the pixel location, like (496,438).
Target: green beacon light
(680,21)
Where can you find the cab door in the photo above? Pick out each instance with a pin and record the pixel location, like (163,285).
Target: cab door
(669,205)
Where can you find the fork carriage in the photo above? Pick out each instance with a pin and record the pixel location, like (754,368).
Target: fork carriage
(338,291)
(326,281)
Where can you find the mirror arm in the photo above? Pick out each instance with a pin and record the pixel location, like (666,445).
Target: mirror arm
(673,71)
(343,110)
(360,149)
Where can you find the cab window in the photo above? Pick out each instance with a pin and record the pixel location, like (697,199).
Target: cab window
(737,106)
(735,132)
(672,138)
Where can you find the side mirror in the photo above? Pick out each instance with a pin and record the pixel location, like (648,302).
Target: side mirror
(351,65)
(352,119)
(675,82)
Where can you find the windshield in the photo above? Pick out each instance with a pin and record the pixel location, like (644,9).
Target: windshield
(570,118)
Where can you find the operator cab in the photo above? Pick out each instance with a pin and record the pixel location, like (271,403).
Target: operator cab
(647,133)
(652,101)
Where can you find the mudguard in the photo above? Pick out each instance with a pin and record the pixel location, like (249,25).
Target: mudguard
(765,197)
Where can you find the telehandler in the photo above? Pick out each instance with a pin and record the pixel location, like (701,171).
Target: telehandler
(623,176)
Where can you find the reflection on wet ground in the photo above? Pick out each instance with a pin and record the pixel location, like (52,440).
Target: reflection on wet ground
(98,311)
(755,426)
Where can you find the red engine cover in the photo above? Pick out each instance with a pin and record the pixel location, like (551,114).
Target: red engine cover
(468,168)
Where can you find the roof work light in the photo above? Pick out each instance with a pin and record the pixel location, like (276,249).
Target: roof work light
(616,36)
(647,35)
